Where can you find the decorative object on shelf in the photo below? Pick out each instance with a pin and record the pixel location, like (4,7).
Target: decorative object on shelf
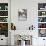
(4,26)
(6,7)
(4,29)
(3,13)
(41,13)
(41,19)
(22,14)
(13,27)
(0,7)
(41,6)
(45,7)
(40,25)
(42,32)
(3,19)
(3,6)
(31,27)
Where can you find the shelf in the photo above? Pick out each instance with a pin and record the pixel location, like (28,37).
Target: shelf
(41,10)
(42,19)
(4,19)
(41,22)
(3,16)
(3,22)
(42,16)
(3,10)
(41,28)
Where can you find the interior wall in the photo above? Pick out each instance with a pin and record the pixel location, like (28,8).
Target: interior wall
(31,13)
(32,16)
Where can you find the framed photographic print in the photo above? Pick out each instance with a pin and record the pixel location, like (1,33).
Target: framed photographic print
(22,14)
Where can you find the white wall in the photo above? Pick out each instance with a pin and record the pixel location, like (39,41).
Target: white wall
(32,14)
(31,7)
(23,4)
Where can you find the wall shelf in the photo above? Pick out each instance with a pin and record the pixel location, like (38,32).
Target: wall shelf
(42,16)
(3,16)
(41,28)
(42,19)
(41,22)
(42,10)
(3,10)
(4,19)
(3,22)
